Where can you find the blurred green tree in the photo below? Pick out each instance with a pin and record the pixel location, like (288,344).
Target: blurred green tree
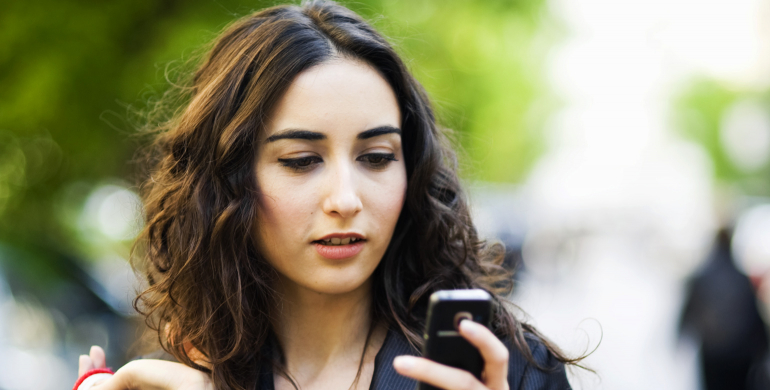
(70,70)
(701,114)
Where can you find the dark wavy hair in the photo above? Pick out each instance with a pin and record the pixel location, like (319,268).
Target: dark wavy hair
(209,285)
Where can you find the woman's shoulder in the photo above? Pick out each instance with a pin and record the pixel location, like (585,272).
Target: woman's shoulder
(543,372)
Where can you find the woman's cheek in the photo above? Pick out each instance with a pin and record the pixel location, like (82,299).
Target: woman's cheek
(286,195)
(390,195)
(289,214)
(282,207)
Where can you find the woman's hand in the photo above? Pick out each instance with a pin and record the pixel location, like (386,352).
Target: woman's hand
(495,354)
(145,374)
(94,359)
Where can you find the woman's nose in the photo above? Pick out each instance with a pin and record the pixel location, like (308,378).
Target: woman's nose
(342,193)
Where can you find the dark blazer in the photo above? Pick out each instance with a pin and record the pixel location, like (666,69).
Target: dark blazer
(522,375)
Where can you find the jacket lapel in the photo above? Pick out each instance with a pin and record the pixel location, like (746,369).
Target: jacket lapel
(385,376)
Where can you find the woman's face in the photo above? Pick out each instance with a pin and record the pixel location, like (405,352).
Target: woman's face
(331,175)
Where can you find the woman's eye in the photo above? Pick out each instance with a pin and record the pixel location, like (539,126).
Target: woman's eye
(377,160)
(300,164)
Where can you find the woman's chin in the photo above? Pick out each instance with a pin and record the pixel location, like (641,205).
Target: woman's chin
(335,282)
(314,273)
(340,286)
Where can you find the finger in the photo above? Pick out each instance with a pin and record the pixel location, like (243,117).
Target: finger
(97,357)
(493,351)
(84,364)
(435,374)
(151,374)
(131,377)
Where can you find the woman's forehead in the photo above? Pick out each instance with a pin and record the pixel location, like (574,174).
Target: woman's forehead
(337,94)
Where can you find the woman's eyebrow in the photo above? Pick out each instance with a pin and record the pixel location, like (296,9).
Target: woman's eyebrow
(377,131)
(296,134)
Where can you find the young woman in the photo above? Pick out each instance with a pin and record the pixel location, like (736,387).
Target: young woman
(303,206)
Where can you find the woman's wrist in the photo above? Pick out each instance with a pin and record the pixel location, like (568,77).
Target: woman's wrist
(92,377)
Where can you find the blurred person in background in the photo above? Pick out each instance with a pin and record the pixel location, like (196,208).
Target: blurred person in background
(301,209)
(721,313)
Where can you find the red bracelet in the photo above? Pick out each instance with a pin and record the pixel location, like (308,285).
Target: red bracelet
(90,373)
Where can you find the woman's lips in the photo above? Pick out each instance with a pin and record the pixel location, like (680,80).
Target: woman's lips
(336,252)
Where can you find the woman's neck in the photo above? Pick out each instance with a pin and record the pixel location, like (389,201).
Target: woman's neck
(322,336)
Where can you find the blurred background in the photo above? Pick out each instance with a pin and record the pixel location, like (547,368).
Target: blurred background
(620,150)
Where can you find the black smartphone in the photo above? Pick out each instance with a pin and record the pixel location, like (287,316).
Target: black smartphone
(443,342)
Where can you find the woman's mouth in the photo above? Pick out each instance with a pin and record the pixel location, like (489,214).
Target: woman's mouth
(336,248)
(334,241)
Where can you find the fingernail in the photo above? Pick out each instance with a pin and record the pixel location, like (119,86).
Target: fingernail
(92,349)
(468,327)
(403,362)
(82,359)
